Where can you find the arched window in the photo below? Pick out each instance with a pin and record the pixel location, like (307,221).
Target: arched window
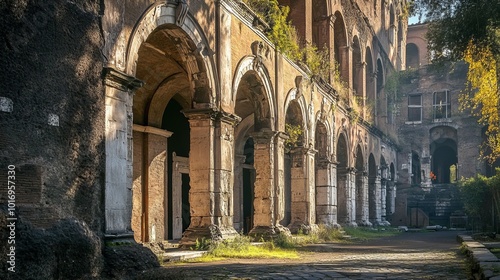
(412,56)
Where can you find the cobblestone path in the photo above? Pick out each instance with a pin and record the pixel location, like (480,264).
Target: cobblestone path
(429,255)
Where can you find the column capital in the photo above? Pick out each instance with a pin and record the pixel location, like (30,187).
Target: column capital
(120,80)
(212,114)
(263,136)
(351,170)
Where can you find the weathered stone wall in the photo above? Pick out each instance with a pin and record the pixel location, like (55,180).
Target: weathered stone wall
(53,130)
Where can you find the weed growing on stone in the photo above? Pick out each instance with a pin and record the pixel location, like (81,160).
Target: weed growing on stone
(361,233)
(241,247)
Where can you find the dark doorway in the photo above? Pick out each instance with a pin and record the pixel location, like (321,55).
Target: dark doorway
(444,155)
(175,121)
(186,209)
(248,186)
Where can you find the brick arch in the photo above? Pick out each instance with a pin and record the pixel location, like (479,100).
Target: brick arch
(201,70)
(293,96)
(340,45)
(248,65)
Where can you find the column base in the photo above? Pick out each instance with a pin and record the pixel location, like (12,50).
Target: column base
(364,223)
(266,233)
(299,227)
(211,232)
(385,224)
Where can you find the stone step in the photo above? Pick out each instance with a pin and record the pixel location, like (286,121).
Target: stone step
(171,244)
(179,255)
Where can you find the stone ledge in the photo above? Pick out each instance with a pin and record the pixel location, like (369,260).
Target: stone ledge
(485,264)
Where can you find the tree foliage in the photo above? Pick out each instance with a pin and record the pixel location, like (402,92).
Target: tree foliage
(480,195)
(469,30)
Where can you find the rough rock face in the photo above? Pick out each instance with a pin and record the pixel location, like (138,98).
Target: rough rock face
(126,261)
(68,250)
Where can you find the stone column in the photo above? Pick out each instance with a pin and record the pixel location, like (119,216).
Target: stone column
(375,200)
(366,207)
(342,195)
(383,199)
(362,199)
(351,196)
(302,189)
(279,156)
(391,201)
(211,174)
(118,147)
(264,187)
(325,193)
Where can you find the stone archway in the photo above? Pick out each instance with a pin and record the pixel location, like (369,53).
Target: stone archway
(361,183)
(325,202)
(169,51)
(161,208)
(256,109)
(343,182)
(358,68)
(443,149)
(370,104)
(340,46)
(295,213)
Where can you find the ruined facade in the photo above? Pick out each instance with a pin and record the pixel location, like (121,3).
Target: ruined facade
(163,120)
(439,142)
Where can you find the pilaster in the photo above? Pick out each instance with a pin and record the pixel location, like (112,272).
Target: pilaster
(118,147)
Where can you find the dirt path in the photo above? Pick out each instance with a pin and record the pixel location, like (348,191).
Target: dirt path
(429,255)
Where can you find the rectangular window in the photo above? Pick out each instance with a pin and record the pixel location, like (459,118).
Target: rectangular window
(441,105)
(415,107)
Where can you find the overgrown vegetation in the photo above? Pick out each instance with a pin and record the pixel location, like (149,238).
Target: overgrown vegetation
(294,133)
(283,246)
(481,198)
(284,36)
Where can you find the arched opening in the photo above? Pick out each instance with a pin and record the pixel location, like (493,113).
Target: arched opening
(294,126)
(412,56)
(370,105)
(357,71)
(361,192)
(380,77)
(161,137)
(444,156)
(320,24)
(372,190)
(380,104)
(340,47)
(253,152)
(443,149)
(342,184)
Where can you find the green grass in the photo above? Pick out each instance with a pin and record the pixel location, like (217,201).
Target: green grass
(240,247)
(282,246)
(496,252)
(362,234)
